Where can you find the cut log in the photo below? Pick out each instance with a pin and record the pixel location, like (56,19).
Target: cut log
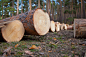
(70,27)
(13,31)
(36,22)
(52,26)
(57,26)
(79,27)
(63,26)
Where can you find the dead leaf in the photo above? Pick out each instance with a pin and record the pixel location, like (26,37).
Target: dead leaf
(49,51)
(54,39)
(33,47)
(29,52)
(16,45)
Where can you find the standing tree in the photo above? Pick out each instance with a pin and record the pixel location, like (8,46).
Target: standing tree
(82,9)
(64,11)
(17,7)
(60,12)
(38,3)
(30,4)
(21,6)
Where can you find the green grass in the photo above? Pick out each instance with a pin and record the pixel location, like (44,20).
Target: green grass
(19,53)
(55,33)
(33,50)
(52,46)
(73,47)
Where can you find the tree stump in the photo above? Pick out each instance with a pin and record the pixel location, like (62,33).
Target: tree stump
(13,31)
(36,22)
(79,27)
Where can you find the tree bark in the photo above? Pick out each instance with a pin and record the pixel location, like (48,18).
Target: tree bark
(36,22)
(60,11)
(82,9)
(30,4)
(13,7)
(17,7)
(21,6)
(2,9)
(63,12)
(38,3)
(52,12)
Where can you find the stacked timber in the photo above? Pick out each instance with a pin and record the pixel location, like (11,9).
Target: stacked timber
(35,22)
(79,27)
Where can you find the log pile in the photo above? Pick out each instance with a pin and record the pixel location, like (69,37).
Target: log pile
(79,28)
(35,22)
(57,26)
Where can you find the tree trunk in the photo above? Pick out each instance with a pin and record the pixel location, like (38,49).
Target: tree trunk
(38,3)
(22,6)
(17,7)
(63,12)
(82,9)
(52,12)
(79,28)
(2,9)
(30,4)
(13,31)
(79,11)
(13,7)
(60,11)
(36,22)
(72,8)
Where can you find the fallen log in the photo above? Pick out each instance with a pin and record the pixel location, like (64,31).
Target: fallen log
(13,31)
(70,27)
(57,26)
(63,26)
(79,27)
(52,26)
(36,22)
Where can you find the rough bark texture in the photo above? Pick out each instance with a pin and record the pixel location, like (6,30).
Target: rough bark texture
(17,7)
(38,3)
(30,4)
(80,28)
(31,23)
(82,9)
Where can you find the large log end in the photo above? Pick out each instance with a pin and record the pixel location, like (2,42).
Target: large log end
(41,22)
(13,31)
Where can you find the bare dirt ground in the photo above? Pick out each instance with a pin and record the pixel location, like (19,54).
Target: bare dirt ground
(53,44)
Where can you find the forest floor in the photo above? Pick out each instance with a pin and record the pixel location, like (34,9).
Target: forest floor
(53,44)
